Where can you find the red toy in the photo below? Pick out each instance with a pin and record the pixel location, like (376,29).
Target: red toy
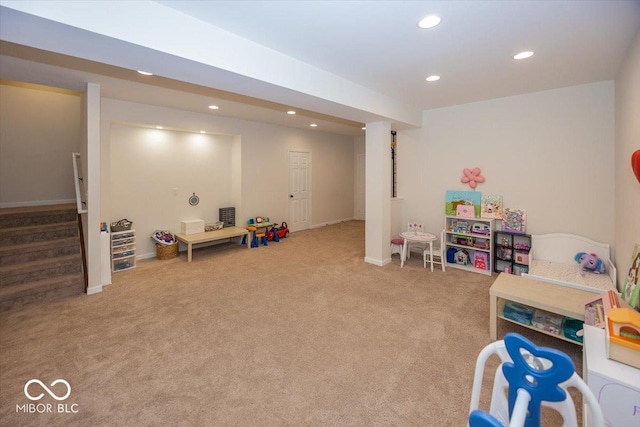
(282,231)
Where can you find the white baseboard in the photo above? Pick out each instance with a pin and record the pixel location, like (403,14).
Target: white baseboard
(324,224)
(36,203)
(379,263)
(94,290)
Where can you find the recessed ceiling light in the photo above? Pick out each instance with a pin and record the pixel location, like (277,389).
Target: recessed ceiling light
(364,128)
(213,107)
(202,131)
(433,78)
(291,112)
(429,21)
(523,55)
(313,125)
(159,127)
(145,73)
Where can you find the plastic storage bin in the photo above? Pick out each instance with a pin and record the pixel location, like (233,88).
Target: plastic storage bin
(518,312)
(547,321)
(572,327)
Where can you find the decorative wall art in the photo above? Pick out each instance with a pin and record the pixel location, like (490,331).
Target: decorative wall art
(491,206)
(472,177)
(466,198)
(514,220)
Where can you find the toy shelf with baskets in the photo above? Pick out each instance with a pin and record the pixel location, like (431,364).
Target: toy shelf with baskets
(468,243)
(511,252)
(123,250)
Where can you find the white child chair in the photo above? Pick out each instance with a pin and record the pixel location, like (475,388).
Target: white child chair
(437,255)
(529,376)
(415,246)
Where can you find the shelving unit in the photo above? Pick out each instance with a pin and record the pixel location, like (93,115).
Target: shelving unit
(511,252)
(468,243)
(560,336)
(123,250)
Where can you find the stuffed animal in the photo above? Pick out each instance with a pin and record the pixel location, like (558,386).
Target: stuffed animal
(590,262)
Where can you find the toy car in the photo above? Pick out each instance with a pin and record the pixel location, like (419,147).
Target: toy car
(283,231)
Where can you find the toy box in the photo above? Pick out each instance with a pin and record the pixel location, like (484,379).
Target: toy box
(465,211)
(549,322)
(192,227)
(481,260)
(522,258)
(462,257)
(573,329)
(451,255)
(518,312)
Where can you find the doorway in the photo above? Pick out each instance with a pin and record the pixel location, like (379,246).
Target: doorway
(299,190)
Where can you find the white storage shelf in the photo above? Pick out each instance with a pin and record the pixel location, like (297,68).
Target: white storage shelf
(476,240)
(123,250)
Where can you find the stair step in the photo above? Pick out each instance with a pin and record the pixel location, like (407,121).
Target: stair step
(37,215)
(38,233)
(40,269)
(40,255)
(28,252)
(41,291)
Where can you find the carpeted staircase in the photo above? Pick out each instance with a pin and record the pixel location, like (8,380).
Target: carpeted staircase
(40,255)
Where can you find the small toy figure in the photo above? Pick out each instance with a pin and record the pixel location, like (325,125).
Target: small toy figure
(590,262)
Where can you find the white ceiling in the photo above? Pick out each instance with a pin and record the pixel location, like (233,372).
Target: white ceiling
(372,46)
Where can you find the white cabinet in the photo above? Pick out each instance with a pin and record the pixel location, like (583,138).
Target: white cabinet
(123,250)
(468,243)
(615,385)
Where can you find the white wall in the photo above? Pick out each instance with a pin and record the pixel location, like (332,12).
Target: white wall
(262,152)
(627,194)
(550,153)
(154,172)
(39,130)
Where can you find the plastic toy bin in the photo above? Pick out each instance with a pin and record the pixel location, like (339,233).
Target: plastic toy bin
(518,312)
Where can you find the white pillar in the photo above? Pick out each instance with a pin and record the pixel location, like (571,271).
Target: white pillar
(378,193)
(92,218)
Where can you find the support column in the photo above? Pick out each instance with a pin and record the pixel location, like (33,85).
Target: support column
(378,193)
(91,219)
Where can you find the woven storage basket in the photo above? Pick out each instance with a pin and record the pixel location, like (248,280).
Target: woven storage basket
(167,251)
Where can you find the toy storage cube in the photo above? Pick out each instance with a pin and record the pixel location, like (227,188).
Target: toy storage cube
(193,226)
(522,258)
(481,260)
(451,255)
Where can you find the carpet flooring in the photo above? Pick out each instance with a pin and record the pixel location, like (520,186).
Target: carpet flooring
(301,332)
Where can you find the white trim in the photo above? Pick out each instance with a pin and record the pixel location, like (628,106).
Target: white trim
(94,290)
(36,203)
(377,261)
(324,224)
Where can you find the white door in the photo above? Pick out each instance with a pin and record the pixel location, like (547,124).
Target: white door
(360,187)
(299,190)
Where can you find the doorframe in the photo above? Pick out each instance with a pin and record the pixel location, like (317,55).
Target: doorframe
(310,180)
(361,162)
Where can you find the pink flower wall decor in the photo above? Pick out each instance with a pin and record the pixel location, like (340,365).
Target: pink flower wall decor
(472,177)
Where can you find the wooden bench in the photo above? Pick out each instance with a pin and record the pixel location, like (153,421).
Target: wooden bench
(211,236)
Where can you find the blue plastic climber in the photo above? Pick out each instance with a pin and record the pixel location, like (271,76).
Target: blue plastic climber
(534,376)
